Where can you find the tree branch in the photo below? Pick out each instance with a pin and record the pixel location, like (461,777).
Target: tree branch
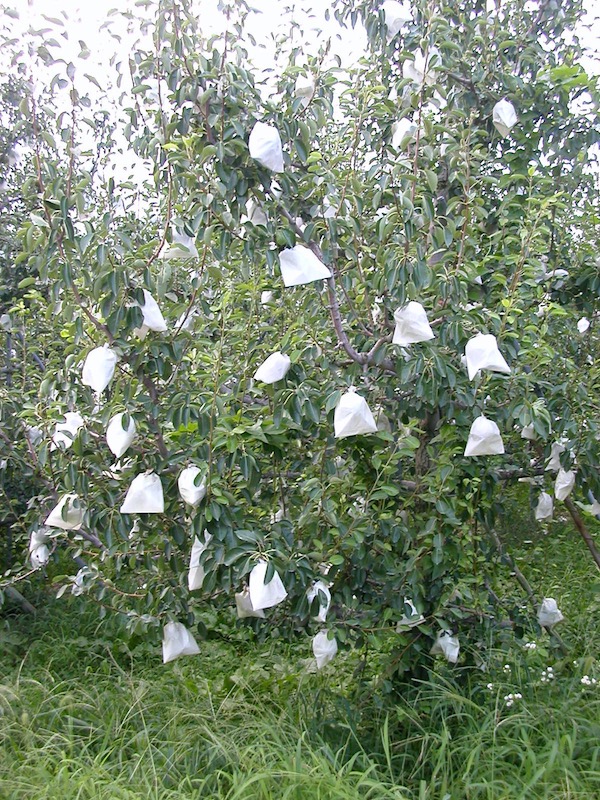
(386,364)
(585,534)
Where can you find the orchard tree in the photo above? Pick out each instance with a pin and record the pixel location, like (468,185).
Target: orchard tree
(293,372)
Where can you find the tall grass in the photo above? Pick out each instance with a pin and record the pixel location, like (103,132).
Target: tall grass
(79,721)
(83,717)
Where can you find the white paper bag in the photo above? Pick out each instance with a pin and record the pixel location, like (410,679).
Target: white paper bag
(305,89)
(528,432)
(320,589)
(300,265)
(504,117)
(244,606)
(420,70)
(266,297)
(324,649)
(273,369)
(118,439)
(191,492)
(482,352)
(187,320)
(412,325)
(144,496)
(99,368)
(153,319)
(446,645)
(73,422)
(67,514)
(395,15)
(484,438)
(39,554)
(563,486)
(196,571)
(265,595)
(410,620)
(177,641)
(255,213)
(403,131)
(553,464)
(353,416)
(544,508)
(265,146)
(549,613)
(34,434)
(182,247)
(583,325)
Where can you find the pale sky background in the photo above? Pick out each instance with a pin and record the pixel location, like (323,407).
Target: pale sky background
(86,17)
(83,20)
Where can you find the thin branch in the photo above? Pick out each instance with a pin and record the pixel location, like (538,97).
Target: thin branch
(525,585)
(585,534)
(334,307)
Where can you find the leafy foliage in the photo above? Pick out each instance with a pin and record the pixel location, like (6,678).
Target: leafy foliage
(490,234)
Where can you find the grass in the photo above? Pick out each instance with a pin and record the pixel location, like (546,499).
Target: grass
(82,717)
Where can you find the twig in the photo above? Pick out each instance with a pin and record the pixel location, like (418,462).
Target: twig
(525,585)
(585,534)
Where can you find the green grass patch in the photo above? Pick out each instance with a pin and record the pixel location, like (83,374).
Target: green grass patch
(86,715)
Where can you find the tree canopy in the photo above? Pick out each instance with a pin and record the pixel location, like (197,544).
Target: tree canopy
(407,245)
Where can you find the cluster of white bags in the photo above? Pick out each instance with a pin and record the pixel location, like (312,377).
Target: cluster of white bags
(353,416)
(39,553)
(396,15)
(196,571)
(144,496)
(446,645)
(321,590)
(192,490)
(549,613)
(412,325)
(563,486)
(244,605)
(153,319)
(324,649)
(265,146)
(65,432)
(299,265)
(265,595)
(67,514)
(504,117)
(484,438)
(99,368)
(482,352)
(544,508)
(177,641)
(119,439)
(273,369)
